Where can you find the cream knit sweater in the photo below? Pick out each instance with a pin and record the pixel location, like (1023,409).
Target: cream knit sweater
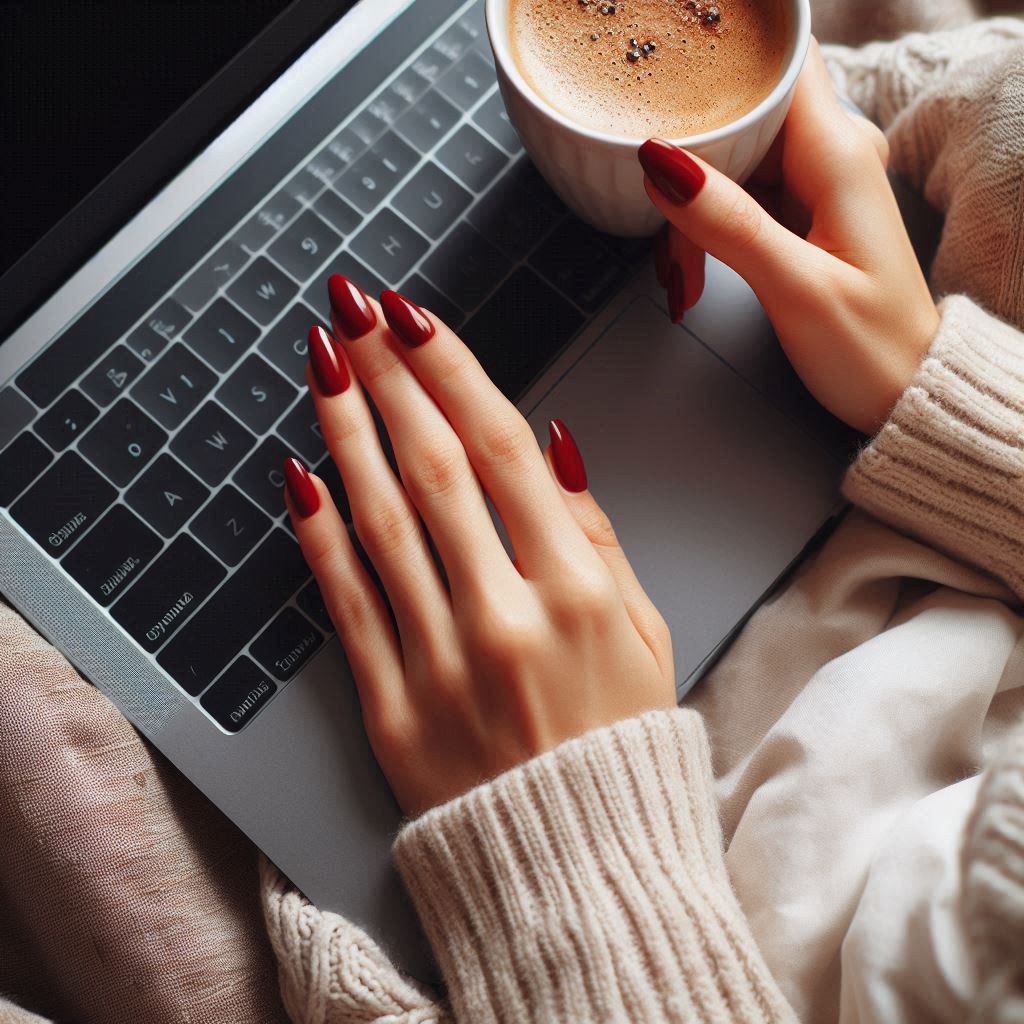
(589,884)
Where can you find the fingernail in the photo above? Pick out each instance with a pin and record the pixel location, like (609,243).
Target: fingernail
(675,174)
(351,312)
(329,369)
(676,293)
(572,474)
(301,488)
(406,319)
(662,256)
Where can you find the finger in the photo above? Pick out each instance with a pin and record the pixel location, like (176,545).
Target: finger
(497,440)
(435,470)
(718,216)
(384,518)
(353,602)
(598,530)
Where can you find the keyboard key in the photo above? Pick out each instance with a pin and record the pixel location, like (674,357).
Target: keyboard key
(389,246)
(262,291)
(172,390)
(387,106)
(365,129)
(271,218)
(328,472)
(221,335)
(167,495)
(113,555)
(20,463)
(432,200)
(575,261)
(471,158)
(168,593)
(63,503)
(64,422)
(230,525)
(212,443)
(256,393)
(375,173)
(213,273)
(261,476)
(407,88)
(466,267)
(467,81)
(326,166)
(286,345)
(286,644)
(343,263)
(452,45)
(342,216)
(305,245)
(349,144)
(16,413)
(164,324)
(428,121)
(301,430)
(240,609)
(311,601)
(492,117)
(237,697)
(474,24)
(518,211)
(535,315)
(109,378)
(123,442)
(424,294)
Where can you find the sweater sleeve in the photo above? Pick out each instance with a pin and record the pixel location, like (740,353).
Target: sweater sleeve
(948,466)
(588,884)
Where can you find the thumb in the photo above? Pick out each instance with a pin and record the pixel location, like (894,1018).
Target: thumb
(721,218)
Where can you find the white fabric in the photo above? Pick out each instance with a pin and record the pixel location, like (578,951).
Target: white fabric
(848,722)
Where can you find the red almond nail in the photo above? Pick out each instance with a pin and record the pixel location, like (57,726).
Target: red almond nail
(329,369)
(568,462)
(676,293)
(351,312)
(406,319)
(674,173)
(662,256)
(301,488)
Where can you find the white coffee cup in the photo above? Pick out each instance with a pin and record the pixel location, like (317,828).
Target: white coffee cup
(598,174)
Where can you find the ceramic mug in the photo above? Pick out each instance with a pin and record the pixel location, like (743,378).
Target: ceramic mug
(597,174)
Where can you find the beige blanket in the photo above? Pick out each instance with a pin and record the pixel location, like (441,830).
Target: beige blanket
(125,896)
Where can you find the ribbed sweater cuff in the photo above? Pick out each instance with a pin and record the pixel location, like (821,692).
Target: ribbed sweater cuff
(948,465)
(589,885)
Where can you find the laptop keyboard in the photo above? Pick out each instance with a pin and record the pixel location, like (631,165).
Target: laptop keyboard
(148,460)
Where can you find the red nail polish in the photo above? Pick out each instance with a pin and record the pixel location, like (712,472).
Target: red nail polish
(676,293)
(351,312)
(662,256)
(406,319)
(329,369)
(301,488)
(675,174)
(568,462)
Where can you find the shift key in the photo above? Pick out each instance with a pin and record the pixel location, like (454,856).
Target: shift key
(240,609)
(175,585)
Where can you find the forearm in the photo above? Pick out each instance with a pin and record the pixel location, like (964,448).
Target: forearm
(589,885)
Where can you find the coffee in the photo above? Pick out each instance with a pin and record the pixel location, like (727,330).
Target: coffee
(640,68)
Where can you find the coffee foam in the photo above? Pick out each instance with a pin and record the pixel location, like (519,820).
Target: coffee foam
(701,73)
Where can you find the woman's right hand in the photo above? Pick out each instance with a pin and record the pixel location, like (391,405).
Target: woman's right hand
(819,237)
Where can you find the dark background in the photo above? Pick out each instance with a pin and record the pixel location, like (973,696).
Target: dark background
(83,82)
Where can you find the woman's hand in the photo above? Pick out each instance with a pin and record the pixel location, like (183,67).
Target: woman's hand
(494,661)
(819,238)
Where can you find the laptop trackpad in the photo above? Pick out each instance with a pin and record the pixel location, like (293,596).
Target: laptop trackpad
(712,491)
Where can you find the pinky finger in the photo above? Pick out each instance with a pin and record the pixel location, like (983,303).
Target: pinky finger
(354,604)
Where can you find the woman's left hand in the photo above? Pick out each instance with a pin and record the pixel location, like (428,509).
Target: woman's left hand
(494,661)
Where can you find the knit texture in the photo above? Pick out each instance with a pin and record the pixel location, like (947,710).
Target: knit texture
(948,465)
(588,885)
(993,870)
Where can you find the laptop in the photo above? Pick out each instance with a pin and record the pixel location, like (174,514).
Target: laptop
(148,401)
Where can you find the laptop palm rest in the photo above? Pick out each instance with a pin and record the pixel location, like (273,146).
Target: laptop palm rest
(713,491)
